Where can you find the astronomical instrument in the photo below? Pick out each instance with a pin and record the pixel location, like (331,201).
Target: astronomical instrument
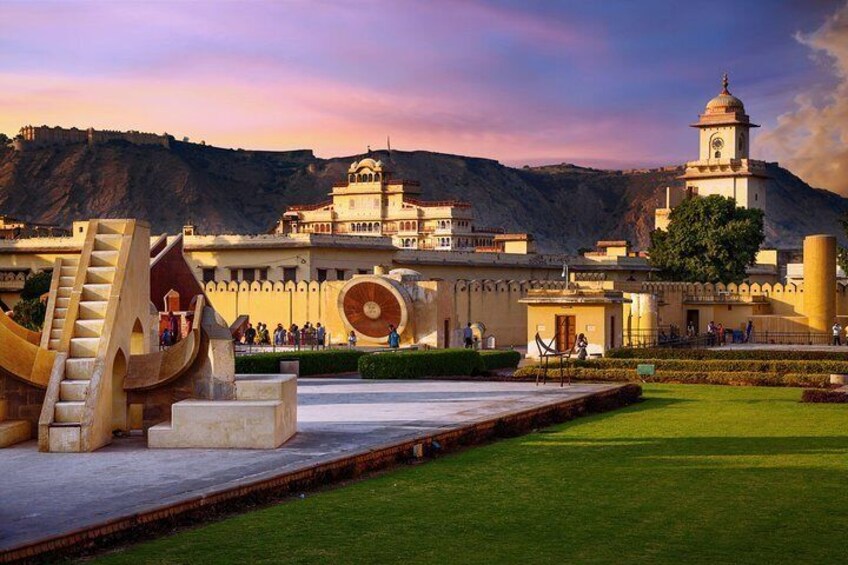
(369,304)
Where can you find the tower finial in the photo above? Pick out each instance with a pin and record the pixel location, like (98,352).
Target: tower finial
(724,83)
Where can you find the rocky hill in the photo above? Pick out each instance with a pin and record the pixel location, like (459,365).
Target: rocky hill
(221,190)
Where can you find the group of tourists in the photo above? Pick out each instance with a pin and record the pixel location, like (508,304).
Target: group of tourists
(717,334)
(310,336)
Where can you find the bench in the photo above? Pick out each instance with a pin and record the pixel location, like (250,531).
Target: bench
(547,351)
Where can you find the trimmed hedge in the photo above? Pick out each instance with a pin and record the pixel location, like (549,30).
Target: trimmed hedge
(737,378)
(824,396)
(494,360)
(718,365)
(419,364)
(839,354)
(323,362)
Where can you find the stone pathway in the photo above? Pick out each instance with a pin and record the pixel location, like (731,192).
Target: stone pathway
(48,494)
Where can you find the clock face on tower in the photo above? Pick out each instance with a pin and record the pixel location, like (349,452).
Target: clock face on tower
(717,143)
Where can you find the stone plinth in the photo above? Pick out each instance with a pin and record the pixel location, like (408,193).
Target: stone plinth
(838,379)
(14,431)
(263,417)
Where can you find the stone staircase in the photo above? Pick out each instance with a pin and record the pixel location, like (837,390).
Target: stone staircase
(83,299)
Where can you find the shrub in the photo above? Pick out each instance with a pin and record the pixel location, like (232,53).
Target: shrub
(720,365)
(493,360)
(727,354)
(29,314)
(323,362)
(824,396)
(736,378)
(418,364)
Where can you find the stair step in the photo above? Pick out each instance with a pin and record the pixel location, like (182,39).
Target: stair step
(63,302)
(73,391)
(56,333)
(64,292)
(100,275)
(84,347)
(68,271)
(107,242)
(104,258)
(67,281)
(59,313)
(53,344)
(64,438)
(88,328)
(58,323)
(115,227)
(95,292)
(79,369)
(69,412)
(92,310)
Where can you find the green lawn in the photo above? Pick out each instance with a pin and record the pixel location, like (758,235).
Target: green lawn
(693,474)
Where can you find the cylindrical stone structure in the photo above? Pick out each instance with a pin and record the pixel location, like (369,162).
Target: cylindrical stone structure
(648,319)
(820,282)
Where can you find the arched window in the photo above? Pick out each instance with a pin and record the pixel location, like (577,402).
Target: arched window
(377,226)
(718,154)
(370,177)
(351,177)
(377,176)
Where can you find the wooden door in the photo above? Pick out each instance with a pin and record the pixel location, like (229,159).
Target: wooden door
(565,332)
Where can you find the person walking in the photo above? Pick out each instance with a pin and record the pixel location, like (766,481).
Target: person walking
(468,336)
(279,335)
(174,327)
(720,334)
(837,333)
(351,340)
(165,339)
(394,337)
(250,334)
(294,331)
(320,335)
(749,329)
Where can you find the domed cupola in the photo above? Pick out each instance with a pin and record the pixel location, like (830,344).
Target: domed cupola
(725,102)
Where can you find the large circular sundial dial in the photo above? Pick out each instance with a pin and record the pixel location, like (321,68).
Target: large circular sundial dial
(368,305)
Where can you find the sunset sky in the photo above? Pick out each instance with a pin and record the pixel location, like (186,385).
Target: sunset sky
(610,84)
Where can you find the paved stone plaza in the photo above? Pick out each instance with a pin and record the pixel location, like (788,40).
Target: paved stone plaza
(48,494)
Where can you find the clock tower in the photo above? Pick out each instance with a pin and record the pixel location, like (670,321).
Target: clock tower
(724,166)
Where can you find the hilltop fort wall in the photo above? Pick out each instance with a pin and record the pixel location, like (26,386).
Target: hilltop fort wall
(45,136)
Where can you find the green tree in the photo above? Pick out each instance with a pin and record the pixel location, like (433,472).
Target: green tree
(31,309)
(708,240)
(842,252)
(36,285)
